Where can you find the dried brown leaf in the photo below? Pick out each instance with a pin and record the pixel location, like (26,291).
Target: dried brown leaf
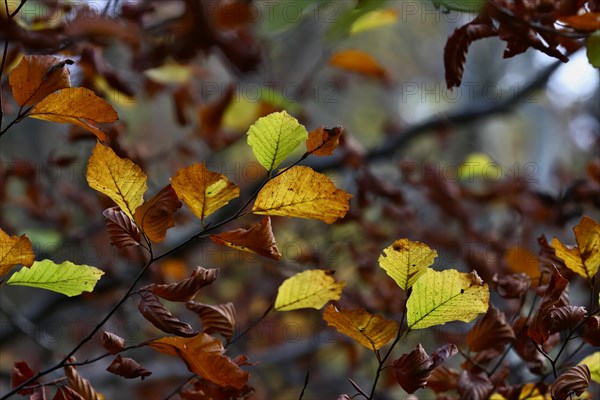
(35,77)
(155,312)
(443,379)
(155,216)
(186,289)
(79,384)
(128,368)
(573,381)
(541,323)
(19,374)
(113,343)
(66,393)
(491,331)
(565,317)
(121,229)
(257,239)
(215,319)
(323,141)
(474,386)
(412,370)
(591,331)
(511,286)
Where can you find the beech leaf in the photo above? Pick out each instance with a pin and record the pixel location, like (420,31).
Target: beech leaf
(541,323)
(412,370)
(155,312)
(575,380)
(274,137)
(303,193)
(405,261)
(593,363)
(155,216)
(371,330)
(308,289)
(257,239)
(79,384)
(14,250)
(491,331)
(474,386)
(128,368)
(187,288)
(203,191)
(323,141)
(113,343)
(65,278)
(358,61)
(118,178)
(77,106)
(121,229)
(66,393)
(440,297)
(35,77)
(20,373)
(215,319)
(585,258)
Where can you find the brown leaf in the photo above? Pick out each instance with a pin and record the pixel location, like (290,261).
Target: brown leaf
(211,114)
(443,379)
(573,381)
(38,394)
(257,239)
(38,76)
(541,323)
(526,350)
(511,286)
(215,319)
(412,370)
(491,331)
(19,374)
(127,368)
(591,331)
(323,141)
(155,312)
(121,229)
(186,289)
(66,393)
(565,317)
(155,216)
(474,386)
(79,384)
(113,343)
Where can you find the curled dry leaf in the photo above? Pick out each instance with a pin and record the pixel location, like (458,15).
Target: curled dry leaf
(591,331)
(573,381)
(66,393)
(155,312)
(257,239)
(443,379)
(215,319)
(370,330)
(474,386)
(565,317)
(113,343)
(14,250)
(35,77)
(511,286)
(121,229)
(526,350)
(491,331)
(541,323)
(79,384)
(155,216)
(186,289)
(19,374)
(323,141)
(412,370)
(128,368)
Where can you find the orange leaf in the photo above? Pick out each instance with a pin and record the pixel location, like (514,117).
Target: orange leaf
(77,106)
(202,341)
(113,343)
(358,61)
(215,319)
(202,190)
(585,22)
(155,216)
(121,230)
(257,239)
(36,77)
(14,250)
(323,141)
(521,259)
(187,288)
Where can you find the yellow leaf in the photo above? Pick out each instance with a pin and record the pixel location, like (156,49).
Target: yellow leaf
(373,20)
(77,106)
(593,363)
(405,261)
(585,258)
(14,250)
(118,178)
(202,190)
(308,289)
(371,330)
(358,61)
(440,297)
(35,77)
(304,193)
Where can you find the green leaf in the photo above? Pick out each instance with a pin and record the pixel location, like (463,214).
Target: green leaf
(405,261)
(593,363)
(440,297)
(274,137)
(308,289)
(593,49)
(66,278)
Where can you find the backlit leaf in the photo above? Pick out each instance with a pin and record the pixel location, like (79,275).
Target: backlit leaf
(373,20)
(371,330)
(155,216)
(155,312)
(440,297)
(592,45)
(405,261)
(187,288)
(80,385)
(14,250)
(118,178)
(308,289)
(77,106)
(215,319)
(304,193)
(358,61)
(585,258)
(323,141)
(257,239)
(203,191)
(274,137)
(593,363)
(37,76)
(66,278)
(121,229)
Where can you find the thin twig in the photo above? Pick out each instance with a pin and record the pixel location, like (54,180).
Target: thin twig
(178,388)
(305,385)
